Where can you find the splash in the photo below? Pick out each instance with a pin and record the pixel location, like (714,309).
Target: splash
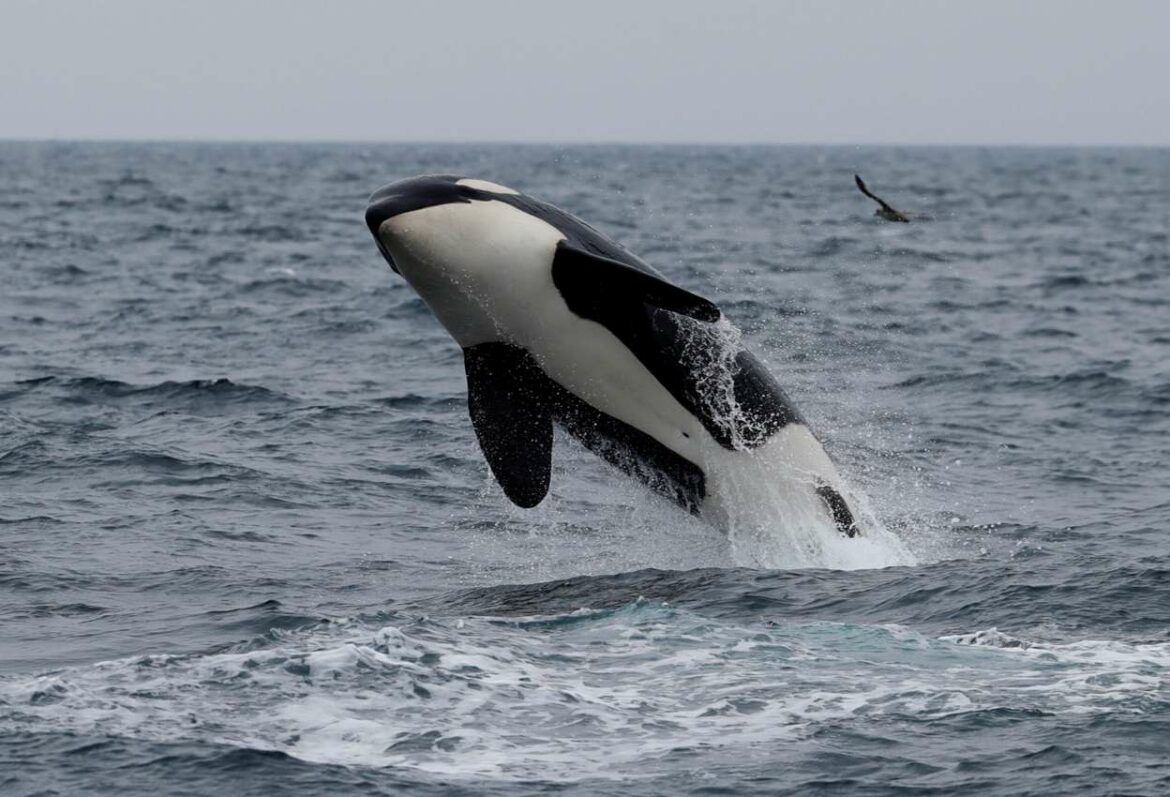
(773,520)
(765,497)
(710,350)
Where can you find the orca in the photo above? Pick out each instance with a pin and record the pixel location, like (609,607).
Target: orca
(561,325)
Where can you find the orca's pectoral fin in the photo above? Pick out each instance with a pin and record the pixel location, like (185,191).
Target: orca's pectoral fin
(509,406)
(588,281)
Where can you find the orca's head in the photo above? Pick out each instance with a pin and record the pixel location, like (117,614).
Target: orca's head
(472,250)
(418,193)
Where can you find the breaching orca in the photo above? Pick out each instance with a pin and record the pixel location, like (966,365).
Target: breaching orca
(559,324)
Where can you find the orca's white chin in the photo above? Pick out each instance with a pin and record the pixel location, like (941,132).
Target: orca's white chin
(478,265)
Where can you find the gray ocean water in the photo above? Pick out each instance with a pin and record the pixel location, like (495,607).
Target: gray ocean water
(247,541)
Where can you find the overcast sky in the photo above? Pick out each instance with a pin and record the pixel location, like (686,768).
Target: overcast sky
(819,71)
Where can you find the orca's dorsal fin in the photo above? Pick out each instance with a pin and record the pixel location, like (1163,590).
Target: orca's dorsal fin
(588,281)
(510,410)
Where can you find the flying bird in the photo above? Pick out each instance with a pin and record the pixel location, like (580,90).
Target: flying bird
(885,211)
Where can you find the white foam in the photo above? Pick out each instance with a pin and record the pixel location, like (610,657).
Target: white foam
(595,694)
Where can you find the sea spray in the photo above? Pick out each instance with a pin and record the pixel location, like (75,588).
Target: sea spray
(760,493)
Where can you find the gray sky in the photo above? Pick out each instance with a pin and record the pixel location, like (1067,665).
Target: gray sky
(819,71)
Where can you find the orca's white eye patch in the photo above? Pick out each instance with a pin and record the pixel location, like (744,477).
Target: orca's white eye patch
(486,185)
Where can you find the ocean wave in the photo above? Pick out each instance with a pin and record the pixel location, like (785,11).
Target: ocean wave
(994,378)
(937,597)
(1094,382)
(584,695)
(189,394)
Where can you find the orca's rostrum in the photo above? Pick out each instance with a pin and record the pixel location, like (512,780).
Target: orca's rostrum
(559,324)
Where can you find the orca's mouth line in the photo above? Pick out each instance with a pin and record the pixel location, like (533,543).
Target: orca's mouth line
(386,254)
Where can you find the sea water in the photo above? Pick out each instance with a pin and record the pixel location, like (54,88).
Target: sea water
(247,540)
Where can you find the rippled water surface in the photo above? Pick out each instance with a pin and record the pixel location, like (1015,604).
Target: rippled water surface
(247,540)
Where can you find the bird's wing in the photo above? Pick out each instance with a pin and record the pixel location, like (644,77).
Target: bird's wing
(870,194)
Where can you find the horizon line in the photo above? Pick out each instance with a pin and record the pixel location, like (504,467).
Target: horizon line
(574,142)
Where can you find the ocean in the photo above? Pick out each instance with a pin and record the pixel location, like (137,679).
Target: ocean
(248,542)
